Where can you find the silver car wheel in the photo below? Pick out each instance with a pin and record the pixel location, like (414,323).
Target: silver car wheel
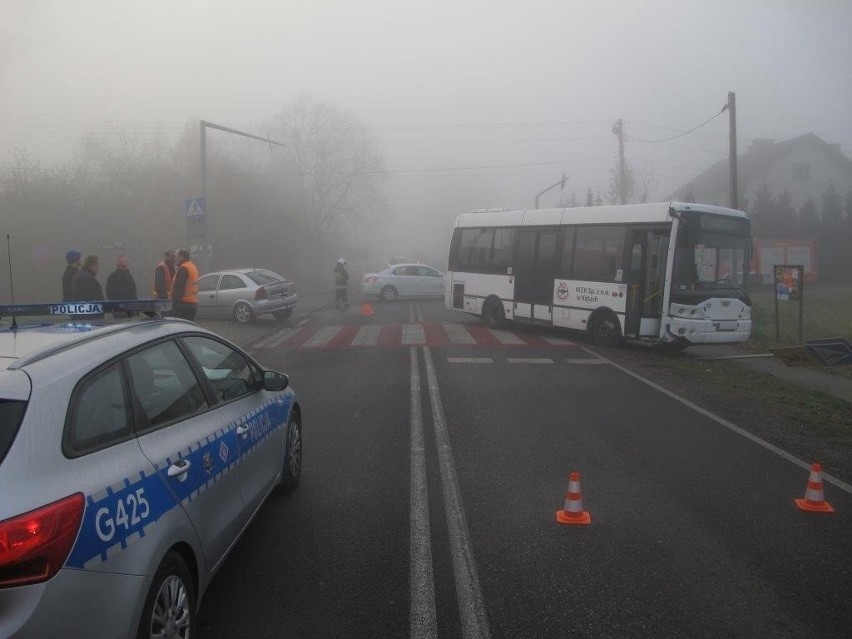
(242,313)
(389,293)
(171,615)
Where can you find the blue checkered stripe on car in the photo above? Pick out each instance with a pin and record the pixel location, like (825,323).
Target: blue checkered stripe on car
(123,513)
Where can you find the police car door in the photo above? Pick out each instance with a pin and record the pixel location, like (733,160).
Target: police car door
(192,445)
(260,416)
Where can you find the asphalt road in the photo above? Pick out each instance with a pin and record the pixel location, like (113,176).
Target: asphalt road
(436,455)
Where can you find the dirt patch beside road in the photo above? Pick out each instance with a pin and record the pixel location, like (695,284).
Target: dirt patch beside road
(809,424)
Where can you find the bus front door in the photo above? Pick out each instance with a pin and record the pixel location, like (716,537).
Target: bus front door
(646,282)
(535,270)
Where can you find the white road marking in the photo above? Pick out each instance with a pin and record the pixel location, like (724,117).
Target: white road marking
(470,360)
(279,338)
(587,360)
(323,336)
(557,341)
(423,621)
(413,334)
(529,360)
(458,334)
(411,312)
(729,425)
(303,322)
(367,336)
(506,337)
(474,620)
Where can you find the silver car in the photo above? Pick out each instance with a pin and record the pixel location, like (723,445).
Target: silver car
(404,280)
(242,294)
(132,457)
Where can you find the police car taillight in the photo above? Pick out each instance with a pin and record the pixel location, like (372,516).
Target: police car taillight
(33,546)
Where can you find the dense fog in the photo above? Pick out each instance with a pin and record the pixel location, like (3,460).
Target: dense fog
(395,117)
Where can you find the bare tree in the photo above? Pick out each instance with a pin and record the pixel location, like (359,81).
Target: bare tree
(335,166)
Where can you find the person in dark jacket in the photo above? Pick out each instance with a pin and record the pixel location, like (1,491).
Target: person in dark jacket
(74,259)
(85,287)
(120,284)
(341,285)
(164,275)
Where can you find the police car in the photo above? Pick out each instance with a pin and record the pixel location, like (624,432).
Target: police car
(133,454)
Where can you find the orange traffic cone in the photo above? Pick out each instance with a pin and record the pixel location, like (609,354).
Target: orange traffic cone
(573,512)
(814,500)
(367,310)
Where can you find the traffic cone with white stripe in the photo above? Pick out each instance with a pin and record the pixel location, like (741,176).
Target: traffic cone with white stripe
(573,512)
(814,500)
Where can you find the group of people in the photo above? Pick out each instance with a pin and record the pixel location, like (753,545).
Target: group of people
(175,279)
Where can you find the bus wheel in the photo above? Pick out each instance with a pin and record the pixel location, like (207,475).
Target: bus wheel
(604,330)
(492,313)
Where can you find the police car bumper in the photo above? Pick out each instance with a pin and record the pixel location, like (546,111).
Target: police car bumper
(708,331)
(75,603)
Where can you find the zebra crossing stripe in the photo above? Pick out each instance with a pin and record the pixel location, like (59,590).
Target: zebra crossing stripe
(587,360)
(413,334)
(470,360)
(323,336)
(279,338)
(557,341)
(529,360)
(506,338)
(458,334)
(367,336)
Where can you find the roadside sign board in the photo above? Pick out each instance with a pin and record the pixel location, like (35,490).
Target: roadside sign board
(194,207)
(789,285)
(831,351)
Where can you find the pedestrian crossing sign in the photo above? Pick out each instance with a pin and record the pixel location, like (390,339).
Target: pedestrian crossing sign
(194,207)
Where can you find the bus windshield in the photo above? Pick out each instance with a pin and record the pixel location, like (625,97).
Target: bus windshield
(711,256)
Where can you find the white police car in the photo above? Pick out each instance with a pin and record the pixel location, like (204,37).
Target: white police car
(132,456)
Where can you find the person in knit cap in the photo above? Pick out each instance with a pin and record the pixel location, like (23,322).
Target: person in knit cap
(75,260)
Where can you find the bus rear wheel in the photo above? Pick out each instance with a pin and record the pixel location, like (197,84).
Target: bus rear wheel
(492,313)
(605,330)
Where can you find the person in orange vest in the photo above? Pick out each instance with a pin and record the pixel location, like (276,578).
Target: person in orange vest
(185,287)
(164,274)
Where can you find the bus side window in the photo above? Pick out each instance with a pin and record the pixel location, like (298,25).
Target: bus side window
(567,252)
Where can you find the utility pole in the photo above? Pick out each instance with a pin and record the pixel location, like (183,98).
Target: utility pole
(618,129)
(198,228)
(732,126)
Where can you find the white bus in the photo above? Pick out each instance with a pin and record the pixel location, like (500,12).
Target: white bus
(671,272)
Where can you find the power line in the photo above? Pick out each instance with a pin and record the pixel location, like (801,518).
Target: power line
(680,135)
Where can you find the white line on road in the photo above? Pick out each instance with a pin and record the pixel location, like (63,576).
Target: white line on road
(323,336)
(411,312)
(458,334)
(470,360)
(279,338)
(303,322)
(724,422)
(506,337)
(413,334)
(423,620)
(529,360)
(587,360)
(474,620)
(367,336)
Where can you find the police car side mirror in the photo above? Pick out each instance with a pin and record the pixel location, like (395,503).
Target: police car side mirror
(275,381)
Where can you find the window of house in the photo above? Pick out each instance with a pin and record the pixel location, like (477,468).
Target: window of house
(801,171)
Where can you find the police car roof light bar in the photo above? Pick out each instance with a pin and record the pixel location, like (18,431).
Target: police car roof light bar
(150,307)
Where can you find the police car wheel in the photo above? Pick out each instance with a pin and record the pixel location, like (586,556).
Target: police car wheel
(170,606)
(243,313)
(292,470)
